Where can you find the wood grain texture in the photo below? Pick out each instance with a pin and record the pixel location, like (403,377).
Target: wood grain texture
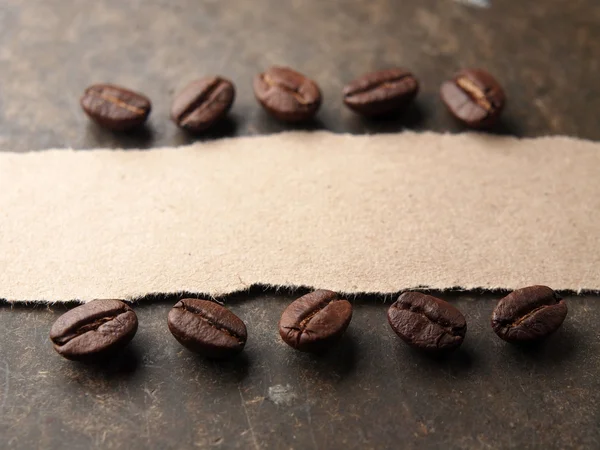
(545,55)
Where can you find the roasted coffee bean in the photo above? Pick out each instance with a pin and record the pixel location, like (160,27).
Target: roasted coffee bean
(207,328)
(94,330)
(474,97)
(114,107)
(286,94)
(528,314)
(315,321)
(382,92)
(427,322)
(202,103)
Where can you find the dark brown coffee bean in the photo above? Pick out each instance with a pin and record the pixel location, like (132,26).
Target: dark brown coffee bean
(315,321)
(114,107)
(287,94)
(202,103)
(474,97)
(382,92)
(93,330)
(528,314)
(207,328)
(427,322)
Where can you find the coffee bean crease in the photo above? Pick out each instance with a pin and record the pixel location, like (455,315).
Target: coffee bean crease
(117,102)
(453,330)
(304,323)
(388,84)
(528,314)
(95,329)
(211,321)
(477,94)
(199,102)
(520,320)
(427,322)
(315,321)
(93,326)
(474,97)
(294,91)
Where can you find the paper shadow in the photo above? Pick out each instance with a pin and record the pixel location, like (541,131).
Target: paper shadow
(503,127)
(227,127)
(411,118)
(141,137)
(270,125)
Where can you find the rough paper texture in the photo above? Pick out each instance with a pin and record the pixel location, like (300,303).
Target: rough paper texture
(349,213)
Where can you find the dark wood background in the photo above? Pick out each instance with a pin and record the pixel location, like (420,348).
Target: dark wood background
(371,391)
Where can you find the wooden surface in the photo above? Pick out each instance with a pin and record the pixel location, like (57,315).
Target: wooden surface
(372,391)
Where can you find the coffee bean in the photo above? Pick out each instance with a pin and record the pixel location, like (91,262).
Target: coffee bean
(114,107)
(382,92)
(315,321)
(207,328)
(528,314)
(202,103)
(93,330)
(427,322)
(474,97)
(286,94)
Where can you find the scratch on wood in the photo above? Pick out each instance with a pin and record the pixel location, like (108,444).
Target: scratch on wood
(476,3)
(254,441)
(6,386)
(553,119)
(309,416)
(258,399)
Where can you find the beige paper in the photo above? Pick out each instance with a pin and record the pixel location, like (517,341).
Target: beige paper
(376,213)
